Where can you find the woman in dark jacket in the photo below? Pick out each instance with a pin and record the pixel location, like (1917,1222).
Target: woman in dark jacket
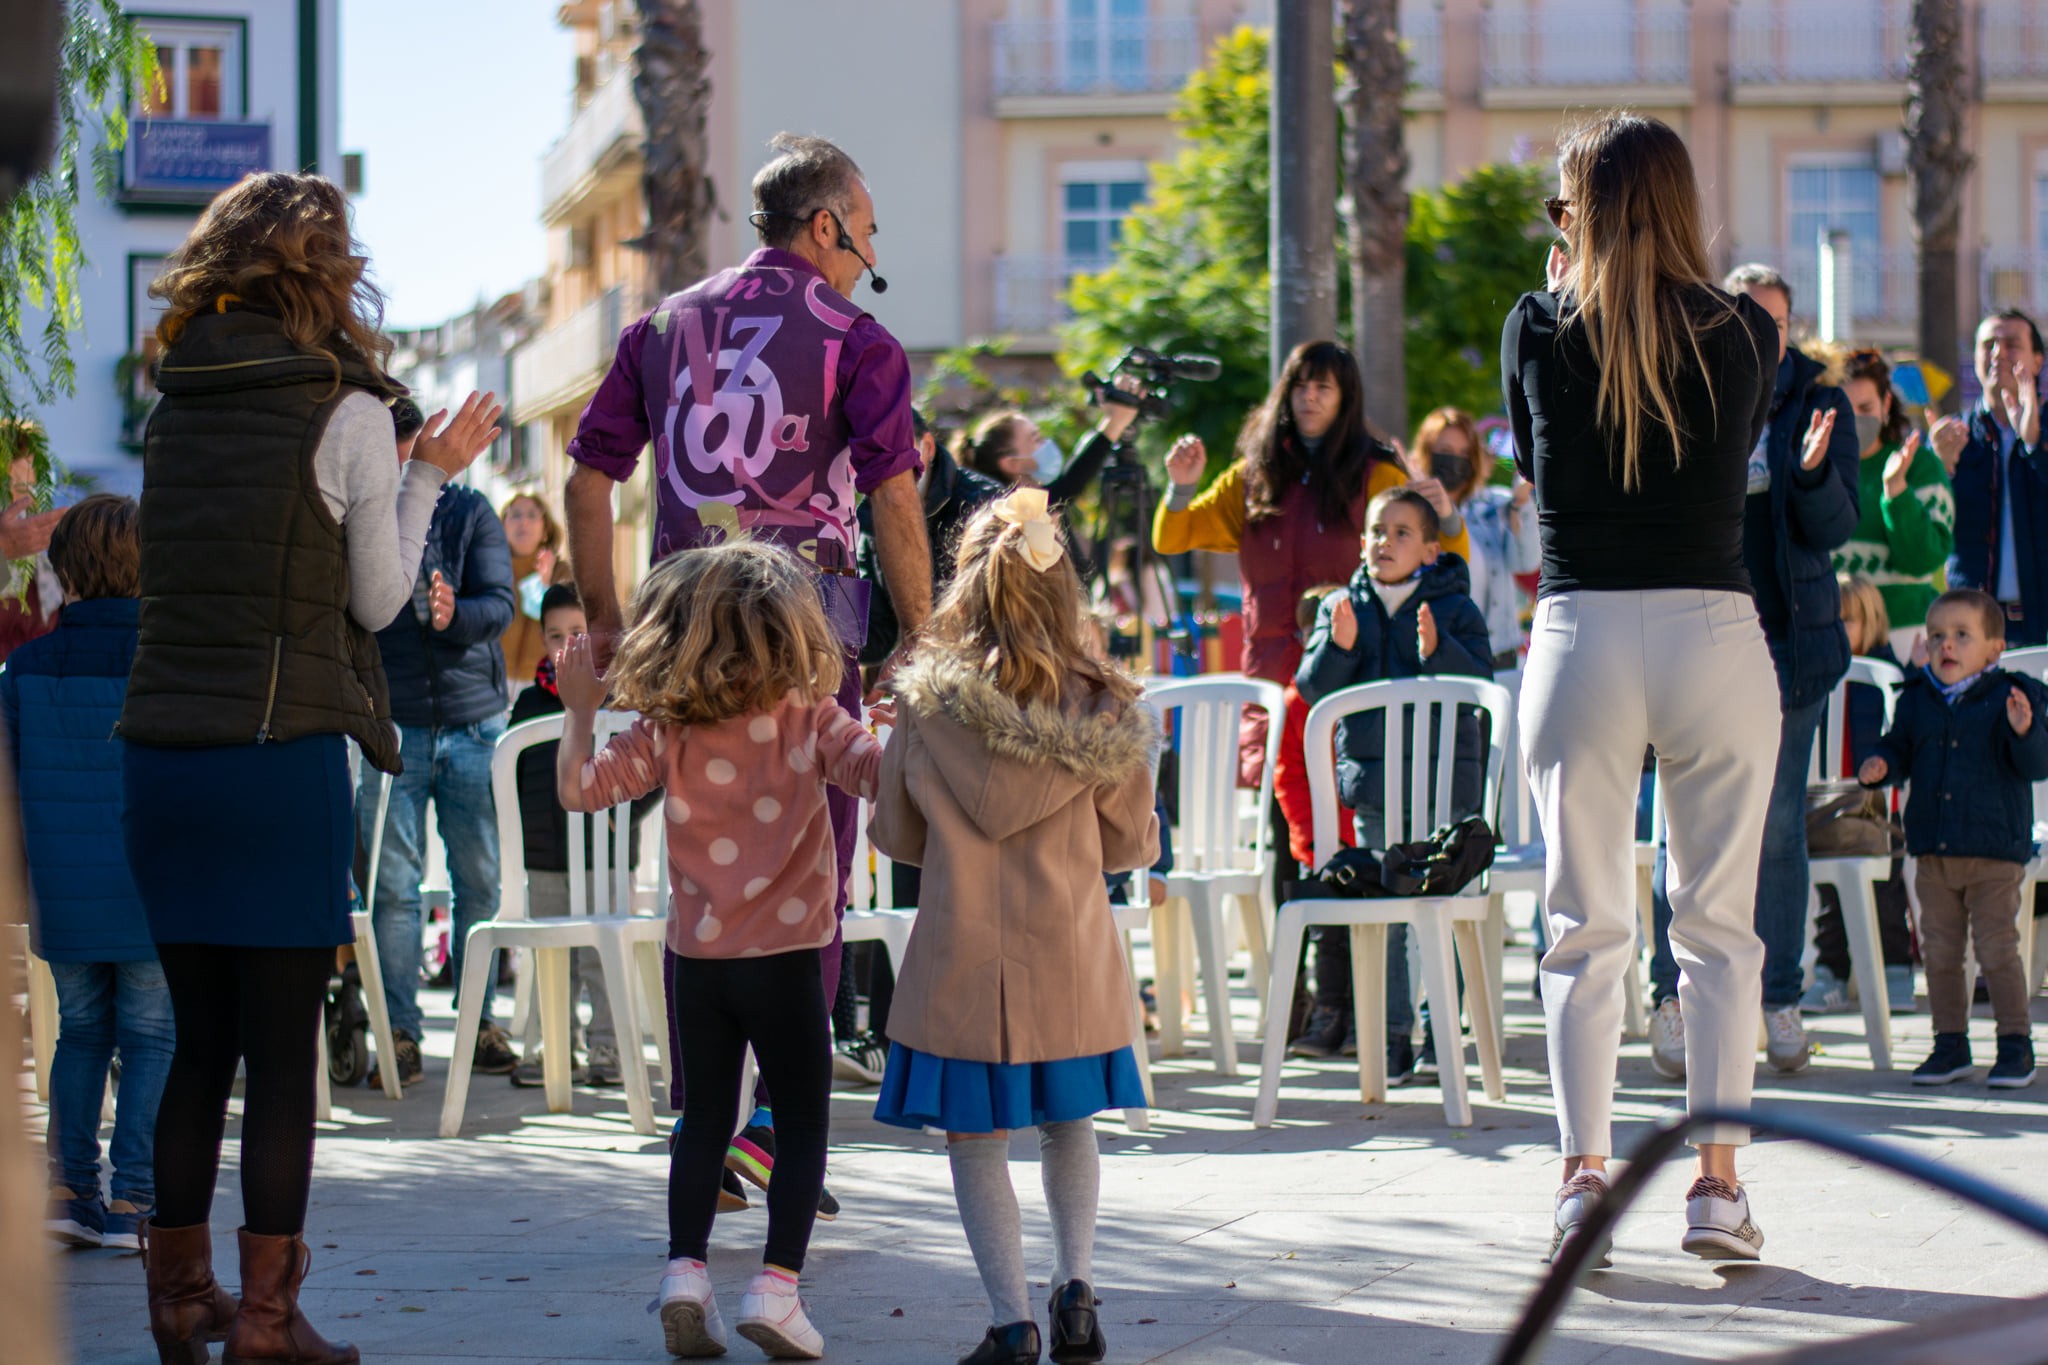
(278,532)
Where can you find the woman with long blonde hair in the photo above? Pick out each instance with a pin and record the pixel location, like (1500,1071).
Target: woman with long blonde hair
(278,534)
(1637,391)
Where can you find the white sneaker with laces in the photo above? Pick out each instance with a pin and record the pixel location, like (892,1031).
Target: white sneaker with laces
(1667,1041)
(690,1324)
(1574,1205)
(772,1317)
(1717,1222)
(1785,1044)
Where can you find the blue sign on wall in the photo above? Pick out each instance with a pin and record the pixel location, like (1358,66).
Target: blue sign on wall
(179,161)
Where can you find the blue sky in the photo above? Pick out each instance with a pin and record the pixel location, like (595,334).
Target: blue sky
(452,103)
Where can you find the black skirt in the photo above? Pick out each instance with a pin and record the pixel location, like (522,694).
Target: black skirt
(246,844)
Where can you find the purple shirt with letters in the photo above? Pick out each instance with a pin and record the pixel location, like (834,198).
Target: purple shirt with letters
(770,401)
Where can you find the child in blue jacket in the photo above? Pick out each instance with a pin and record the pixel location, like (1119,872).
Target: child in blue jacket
(61,695)
(1406,613)
(1970,739)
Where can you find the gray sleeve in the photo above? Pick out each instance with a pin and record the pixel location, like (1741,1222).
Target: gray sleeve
(383,513)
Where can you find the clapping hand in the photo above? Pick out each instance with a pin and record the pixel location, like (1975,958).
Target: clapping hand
(1818,433)
(1187,459)
(1343,623)
(576,679)
(452,444)
(440,602)
(1897,466)
(1425,630)
(1920,656)
(1950,435)
(2019,712)
(2017,394)
(1874,770)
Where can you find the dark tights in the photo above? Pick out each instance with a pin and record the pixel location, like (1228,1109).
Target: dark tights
(777,1004)
(260,1007)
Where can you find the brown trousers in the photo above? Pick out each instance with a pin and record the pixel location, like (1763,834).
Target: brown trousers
(1965,899)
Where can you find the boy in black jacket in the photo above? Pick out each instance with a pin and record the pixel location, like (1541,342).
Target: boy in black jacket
(544,828)
(1407,613)
(1967,735)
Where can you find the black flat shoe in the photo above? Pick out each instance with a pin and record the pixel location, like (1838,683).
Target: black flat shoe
(1076,1332)
(1014,1344)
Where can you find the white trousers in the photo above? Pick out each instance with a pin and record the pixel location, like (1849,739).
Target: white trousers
(1608,673)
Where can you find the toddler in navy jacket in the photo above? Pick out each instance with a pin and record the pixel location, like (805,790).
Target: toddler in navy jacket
(1971,740)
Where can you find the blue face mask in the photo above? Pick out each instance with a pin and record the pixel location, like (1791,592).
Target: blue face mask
(1046,461)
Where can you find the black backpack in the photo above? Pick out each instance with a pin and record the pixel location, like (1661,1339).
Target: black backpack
(1444,864)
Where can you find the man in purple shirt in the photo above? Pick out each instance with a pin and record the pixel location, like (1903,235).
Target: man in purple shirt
(770,401)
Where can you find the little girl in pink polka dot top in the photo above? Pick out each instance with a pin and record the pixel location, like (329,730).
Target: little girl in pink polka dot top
(732,666)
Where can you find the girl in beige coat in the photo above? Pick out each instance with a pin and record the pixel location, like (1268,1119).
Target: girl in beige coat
(1020,772)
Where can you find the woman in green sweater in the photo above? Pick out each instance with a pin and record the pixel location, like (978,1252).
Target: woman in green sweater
(1909,513)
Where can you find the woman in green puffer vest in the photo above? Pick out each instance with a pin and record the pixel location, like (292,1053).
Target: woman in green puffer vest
(1909,513)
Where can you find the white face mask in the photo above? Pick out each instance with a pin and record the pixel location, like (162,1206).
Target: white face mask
(1046,461)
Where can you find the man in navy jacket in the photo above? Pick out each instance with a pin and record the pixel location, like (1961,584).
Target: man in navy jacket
(1998,463)
(447,674)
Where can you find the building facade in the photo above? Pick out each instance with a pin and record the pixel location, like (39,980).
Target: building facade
(247,85)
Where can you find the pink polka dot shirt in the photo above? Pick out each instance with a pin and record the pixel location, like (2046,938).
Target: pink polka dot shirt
(751,864)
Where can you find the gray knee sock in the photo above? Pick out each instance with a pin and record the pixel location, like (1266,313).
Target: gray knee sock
(995,1233)
(1072,1172)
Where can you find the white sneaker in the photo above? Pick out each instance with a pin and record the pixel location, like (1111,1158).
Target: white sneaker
(1717,1222)
(1667,1041)
(690,1324)
(1574,1205)
(772,1317)
(1785,1044)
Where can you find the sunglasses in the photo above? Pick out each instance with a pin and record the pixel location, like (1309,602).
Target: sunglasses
(1555,208)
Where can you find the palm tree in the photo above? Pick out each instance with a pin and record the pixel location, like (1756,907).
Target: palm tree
(1937,107)
(1376,178)
(674,93)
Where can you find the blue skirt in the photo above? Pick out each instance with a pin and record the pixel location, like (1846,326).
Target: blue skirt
(923,1091)
(245,844)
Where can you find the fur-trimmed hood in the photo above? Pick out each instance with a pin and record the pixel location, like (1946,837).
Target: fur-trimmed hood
(1009,766)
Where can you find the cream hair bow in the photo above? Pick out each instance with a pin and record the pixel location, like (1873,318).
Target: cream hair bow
(1025,509)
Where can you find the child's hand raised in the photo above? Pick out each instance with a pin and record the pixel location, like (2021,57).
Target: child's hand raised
(2019,712)
(1425,630)
(1873,771)
(1343,624)
(576,676)
(1921,658)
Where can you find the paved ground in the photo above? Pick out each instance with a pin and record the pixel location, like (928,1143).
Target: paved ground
(1347,1232)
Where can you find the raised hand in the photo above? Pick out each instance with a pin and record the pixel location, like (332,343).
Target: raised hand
(544,564)
(1187,459)
(1950,435)
(576,678)
(1875,769)
(2022,401)
(2019,712)
(1898,464)
(450,446)
(1818,432)
(24,533)
(440,601)
(1343,623)
(1557,267)
(1425,630)
(1439,497)
(1521,494)
(1920,657)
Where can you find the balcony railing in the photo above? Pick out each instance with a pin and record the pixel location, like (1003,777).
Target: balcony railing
(2015,40)
(2016,279)
(1606,45)
(601,131)
(562,364)
(1802,42)
(1099,57)
(1031,291)
(1883,286)
(1422,30)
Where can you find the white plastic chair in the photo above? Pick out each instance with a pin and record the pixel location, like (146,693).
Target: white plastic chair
(872,914)
(42,1007)
(1855,879)
(1445,928)
(1221,853)
(600,917)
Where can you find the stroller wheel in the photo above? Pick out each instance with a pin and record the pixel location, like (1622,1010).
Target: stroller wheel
(348,1030)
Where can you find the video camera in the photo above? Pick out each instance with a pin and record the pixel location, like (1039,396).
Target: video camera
(1158,373)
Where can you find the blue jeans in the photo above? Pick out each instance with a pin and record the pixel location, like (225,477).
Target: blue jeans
(102,1006)
(451,765)
(1781,878)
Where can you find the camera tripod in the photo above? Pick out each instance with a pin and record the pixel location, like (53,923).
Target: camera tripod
(1124,510)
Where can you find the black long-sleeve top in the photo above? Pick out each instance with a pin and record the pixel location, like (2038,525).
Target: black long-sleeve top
(1682,526)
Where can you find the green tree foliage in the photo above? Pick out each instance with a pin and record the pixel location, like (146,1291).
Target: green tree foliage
(1473,249)
(103,60)
(1190,270)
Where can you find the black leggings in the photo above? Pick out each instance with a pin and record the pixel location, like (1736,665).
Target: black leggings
(260,1007)
(720,1005)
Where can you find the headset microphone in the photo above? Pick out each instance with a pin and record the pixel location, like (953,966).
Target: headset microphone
(846,244)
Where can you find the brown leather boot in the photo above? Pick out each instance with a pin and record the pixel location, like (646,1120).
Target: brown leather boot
(187,1306)
(270,1326)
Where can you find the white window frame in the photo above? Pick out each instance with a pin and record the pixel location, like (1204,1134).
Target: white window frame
(181,33)
(1094,173)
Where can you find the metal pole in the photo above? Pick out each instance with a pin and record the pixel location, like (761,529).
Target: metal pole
(1837,286)
(1303,254)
